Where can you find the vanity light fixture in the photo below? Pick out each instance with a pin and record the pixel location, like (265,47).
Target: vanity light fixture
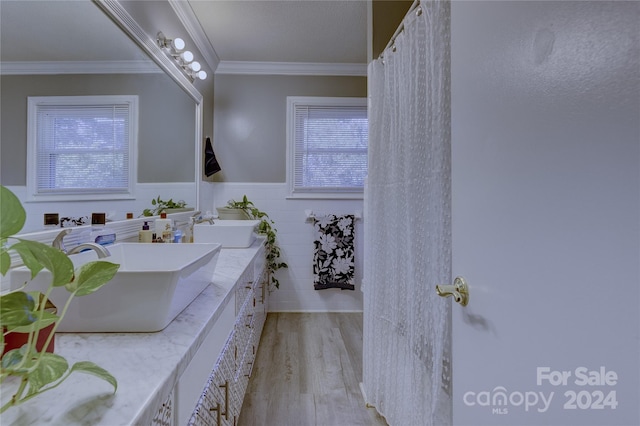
(184,58)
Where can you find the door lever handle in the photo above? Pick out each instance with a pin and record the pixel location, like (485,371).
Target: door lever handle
(459,291)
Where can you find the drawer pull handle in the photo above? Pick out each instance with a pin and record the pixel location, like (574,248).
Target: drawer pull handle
(219,416)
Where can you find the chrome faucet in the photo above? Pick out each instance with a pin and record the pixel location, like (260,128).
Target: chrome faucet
(57,241)
(197,218)
(203,220)
(59,244)
(100,250)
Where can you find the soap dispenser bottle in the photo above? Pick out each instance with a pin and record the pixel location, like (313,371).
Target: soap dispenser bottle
(145,235)
(164,228)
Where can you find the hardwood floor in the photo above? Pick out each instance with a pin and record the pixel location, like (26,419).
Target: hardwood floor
(307,372)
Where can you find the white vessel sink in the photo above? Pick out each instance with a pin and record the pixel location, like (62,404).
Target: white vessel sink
(154,284)
(229,233)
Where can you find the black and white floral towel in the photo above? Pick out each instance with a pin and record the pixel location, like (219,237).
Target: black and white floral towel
(333,265)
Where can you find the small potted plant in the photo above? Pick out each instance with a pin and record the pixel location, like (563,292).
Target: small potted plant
(31,313)
(250,211)
(169,206)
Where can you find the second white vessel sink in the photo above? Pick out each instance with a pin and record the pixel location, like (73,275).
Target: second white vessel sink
(229,233)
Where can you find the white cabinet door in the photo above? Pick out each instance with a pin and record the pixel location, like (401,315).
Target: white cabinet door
(546,216)
(193,380)
(214,407)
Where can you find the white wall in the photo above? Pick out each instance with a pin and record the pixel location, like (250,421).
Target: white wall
(295,237)
(250,116)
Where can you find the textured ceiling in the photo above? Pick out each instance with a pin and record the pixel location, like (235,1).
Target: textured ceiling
(322,31)
(327,31)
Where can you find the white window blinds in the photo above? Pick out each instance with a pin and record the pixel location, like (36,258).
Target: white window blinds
(83,146)
(329,144)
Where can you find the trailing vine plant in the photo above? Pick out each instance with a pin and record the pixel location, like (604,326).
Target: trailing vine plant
(265,227)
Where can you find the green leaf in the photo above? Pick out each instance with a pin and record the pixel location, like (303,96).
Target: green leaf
(91,368)
(36,255)
(48,318)
(16,309)
(13,214)
(27,257)
(5,262)
(12,358)
(51,367)
(91,276)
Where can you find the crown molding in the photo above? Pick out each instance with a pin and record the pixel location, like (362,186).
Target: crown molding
(291,68)
(78,67)
(191,23)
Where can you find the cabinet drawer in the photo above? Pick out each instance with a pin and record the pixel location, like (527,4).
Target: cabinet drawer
(259,264)
(244,372)
(244,323)
(243,289)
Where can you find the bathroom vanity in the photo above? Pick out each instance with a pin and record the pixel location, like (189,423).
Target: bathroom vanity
(195,371)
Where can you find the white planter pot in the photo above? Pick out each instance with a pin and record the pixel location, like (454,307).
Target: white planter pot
(227,213)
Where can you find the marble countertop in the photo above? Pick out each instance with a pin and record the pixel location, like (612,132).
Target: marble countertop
(146,365)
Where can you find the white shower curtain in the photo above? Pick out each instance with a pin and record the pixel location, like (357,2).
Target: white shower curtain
(406,373)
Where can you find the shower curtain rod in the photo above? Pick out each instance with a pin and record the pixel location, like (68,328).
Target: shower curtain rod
(414,6)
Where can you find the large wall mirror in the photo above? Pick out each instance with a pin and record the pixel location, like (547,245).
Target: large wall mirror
(76,48)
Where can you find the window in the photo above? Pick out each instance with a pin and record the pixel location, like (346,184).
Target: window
(81,147)
(327,146)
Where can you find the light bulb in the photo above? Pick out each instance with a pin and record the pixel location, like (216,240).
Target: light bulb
(195,66)
(178,44)
(186,56)
(202,74)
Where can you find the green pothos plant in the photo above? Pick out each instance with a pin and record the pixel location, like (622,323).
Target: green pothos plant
(22,311)
(160,205)
(265,227)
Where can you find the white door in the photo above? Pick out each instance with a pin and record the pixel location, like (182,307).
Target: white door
(546,212)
